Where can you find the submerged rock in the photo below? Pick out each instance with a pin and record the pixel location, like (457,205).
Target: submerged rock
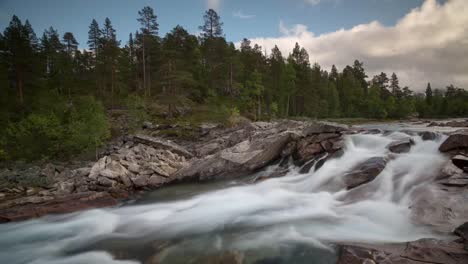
(365,172)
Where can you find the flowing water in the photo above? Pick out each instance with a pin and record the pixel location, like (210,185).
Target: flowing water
(293,219)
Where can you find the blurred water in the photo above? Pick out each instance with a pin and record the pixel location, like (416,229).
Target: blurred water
(293,219)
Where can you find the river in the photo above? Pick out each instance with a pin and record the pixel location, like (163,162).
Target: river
(297,218)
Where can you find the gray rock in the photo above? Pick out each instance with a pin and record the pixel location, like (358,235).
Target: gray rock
(462,231)
(98,167)
(461,161)
(156,181)
(104,181)
(415,252)
(365,172)
(82,172)
(401,146)
(66,187)
(429,135)
(455,141)
(242,158)
(162,144)
(140,180)
(324,127)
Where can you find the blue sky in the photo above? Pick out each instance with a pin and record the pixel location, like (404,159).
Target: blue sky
(242,18)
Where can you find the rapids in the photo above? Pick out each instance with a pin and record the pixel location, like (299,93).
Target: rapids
(294,217)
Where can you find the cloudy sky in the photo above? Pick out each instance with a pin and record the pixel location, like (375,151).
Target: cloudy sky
(421,40)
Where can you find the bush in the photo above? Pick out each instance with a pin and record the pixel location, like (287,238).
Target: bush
(86,126)
(81,126)
(137,109)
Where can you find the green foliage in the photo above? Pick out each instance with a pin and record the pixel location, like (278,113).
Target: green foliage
(78,127)
(86,125)
(137,109)
(50,101)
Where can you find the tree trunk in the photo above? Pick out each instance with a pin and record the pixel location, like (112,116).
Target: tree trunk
(144,67)
(20,88)
(112,86)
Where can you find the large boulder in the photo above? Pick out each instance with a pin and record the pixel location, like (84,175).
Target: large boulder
(365,172)
(247,156)
(455,141)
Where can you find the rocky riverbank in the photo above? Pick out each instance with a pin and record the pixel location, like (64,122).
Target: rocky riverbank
(147,161)
(150,160)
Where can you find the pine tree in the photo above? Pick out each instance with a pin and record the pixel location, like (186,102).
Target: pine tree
(429,94)
(94,37)
(149,29)
(17,52)
(212,27)
(333,76)
(110,54)
(71,44)
(395,86)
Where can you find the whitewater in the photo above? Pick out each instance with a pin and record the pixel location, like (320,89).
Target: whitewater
(273,216)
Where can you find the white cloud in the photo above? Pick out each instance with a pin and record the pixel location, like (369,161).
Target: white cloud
(241,15)
(213,4)
(316,2)
(429,44)
(313,2)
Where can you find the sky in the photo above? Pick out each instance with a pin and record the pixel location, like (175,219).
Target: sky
(421,40)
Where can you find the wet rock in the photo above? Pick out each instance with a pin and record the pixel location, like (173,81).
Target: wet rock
(428,135)
(462,231)
(365,172)
(435,251)
(455,182)
(461,161)
(358,255)
(401,146)
(455,141)
(162,144)
(37,206)
(2,196)
(374,131)
(416,252)
(230,257)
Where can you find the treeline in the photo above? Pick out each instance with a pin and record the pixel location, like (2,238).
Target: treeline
(54,95)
